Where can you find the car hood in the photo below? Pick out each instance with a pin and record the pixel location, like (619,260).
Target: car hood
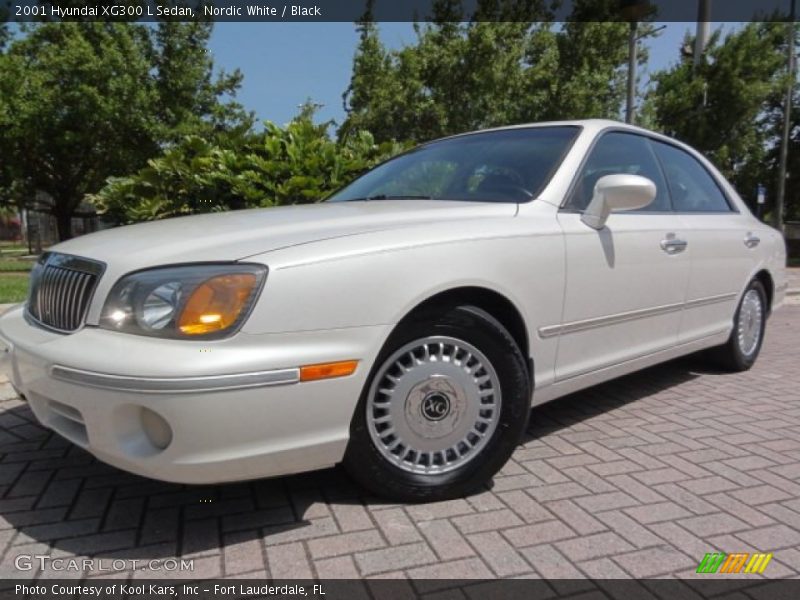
(238,234)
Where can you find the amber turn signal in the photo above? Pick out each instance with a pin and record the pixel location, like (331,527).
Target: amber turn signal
(328,370)
(216,303)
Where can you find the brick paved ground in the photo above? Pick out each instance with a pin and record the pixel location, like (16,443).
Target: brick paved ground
(793,275)
(637,478)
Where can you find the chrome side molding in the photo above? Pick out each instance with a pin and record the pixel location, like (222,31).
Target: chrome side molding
(575,326)
(176,385)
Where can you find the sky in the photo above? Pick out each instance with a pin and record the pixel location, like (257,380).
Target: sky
(286,63)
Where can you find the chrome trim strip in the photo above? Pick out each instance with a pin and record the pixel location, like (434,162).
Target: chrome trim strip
(593,323)
(176,385)
(711,300)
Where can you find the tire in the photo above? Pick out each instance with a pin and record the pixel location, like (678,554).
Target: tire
(444,407)
(741,350)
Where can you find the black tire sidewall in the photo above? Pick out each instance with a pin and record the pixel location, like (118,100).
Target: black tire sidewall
(476,327)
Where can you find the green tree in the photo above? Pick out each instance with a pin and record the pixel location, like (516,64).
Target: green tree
(509,64)
(792,209)
(77,105)
(83,101)
(585,75)
(721,107)
(4,33)
(188,89)
(775,113)
(296,164)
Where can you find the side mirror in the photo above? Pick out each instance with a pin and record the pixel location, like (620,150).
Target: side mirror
(617,193)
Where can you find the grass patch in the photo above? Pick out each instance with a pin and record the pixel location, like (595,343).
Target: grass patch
(13,287)
(15,266)
(794,262)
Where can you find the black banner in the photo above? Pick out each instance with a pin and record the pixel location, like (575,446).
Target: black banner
(395,10)
(711,586)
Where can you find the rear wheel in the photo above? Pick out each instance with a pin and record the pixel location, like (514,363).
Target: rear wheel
(445,406)
(743,347)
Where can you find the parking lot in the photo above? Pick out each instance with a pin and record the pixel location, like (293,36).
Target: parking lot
(640,477)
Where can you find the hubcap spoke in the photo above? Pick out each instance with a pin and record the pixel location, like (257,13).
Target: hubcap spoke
(748,327)
(433,405)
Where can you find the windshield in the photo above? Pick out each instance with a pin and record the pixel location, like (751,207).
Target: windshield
(511,165)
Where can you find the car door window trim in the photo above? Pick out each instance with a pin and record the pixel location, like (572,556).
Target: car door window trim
(563,208)
(731,205)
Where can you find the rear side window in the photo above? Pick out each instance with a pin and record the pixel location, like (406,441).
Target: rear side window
(620,153)
(692,187)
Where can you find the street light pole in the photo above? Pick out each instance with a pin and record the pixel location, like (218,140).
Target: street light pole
(633,47)
(780,202)
(703,31)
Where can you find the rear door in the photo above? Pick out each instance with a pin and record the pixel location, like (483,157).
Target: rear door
(720,244)
(626,283)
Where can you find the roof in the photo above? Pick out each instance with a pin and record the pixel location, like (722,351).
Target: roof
(591,126)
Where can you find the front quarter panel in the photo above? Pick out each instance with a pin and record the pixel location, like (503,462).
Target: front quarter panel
(377,279)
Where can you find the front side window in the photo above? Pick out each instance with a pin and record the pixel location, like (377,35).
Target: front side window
(511,165)
(620,153)
(692,187)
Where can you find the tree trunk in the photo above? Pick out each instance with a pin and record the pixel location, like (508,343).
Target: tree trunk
(63,214)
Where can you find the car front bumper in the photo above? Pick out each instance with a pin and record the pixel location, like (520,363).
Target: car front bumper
(188,411)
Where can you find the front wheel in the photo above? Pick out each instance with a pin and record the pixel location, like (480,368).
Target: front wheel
(742,348)
(445,406)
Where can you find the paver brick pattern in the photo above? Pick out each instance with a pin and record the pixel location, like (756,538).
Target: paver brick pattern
(639,477)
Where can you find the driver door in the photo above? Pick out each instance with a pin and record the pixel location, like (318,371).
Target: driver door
(626,283)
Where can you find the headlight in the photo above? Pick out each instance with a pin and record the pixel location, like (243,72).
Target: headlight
(191,301)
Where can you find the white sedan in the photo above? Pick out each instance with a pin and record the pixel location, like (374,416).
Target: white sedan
(404,327)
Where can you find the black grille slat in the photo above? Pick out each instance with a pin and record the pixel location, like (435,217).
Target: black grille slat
(49,294)
(72,298)
(55,300)
(75,284)
(85,279)
(83,300)
(61,298)
(61,291)
(63,303)
(42,294)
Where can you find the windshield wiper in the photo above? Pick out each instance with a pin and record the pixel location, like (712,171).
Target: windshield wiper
(388,197)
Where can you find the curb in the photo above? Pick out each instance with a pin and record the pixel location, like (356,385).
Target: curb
(5,307)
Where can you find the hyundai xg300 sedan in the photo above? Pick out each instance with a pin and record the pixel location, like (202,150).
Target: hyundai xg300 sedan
(405,326)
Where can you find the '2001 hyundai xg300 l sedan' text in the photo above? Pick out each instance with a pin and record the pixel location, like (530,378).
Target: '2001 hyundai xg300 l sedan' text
(405,326)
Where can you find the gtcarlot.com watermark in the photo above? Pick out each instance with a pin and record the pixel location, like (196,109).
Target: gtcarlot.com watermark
(45,562)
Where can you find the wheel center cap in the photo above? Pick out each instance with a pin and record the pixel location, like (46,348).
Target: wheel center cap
(435,406)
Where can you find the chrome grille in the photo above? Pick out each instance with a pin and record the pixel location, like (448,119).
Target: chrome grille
(61,289)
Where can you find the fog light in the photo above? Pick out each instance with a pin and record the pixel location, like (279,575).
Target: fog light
(156,428)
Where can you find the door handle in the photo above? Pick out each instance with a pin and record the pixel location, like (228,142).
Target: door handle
(751,240)
(673,245)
